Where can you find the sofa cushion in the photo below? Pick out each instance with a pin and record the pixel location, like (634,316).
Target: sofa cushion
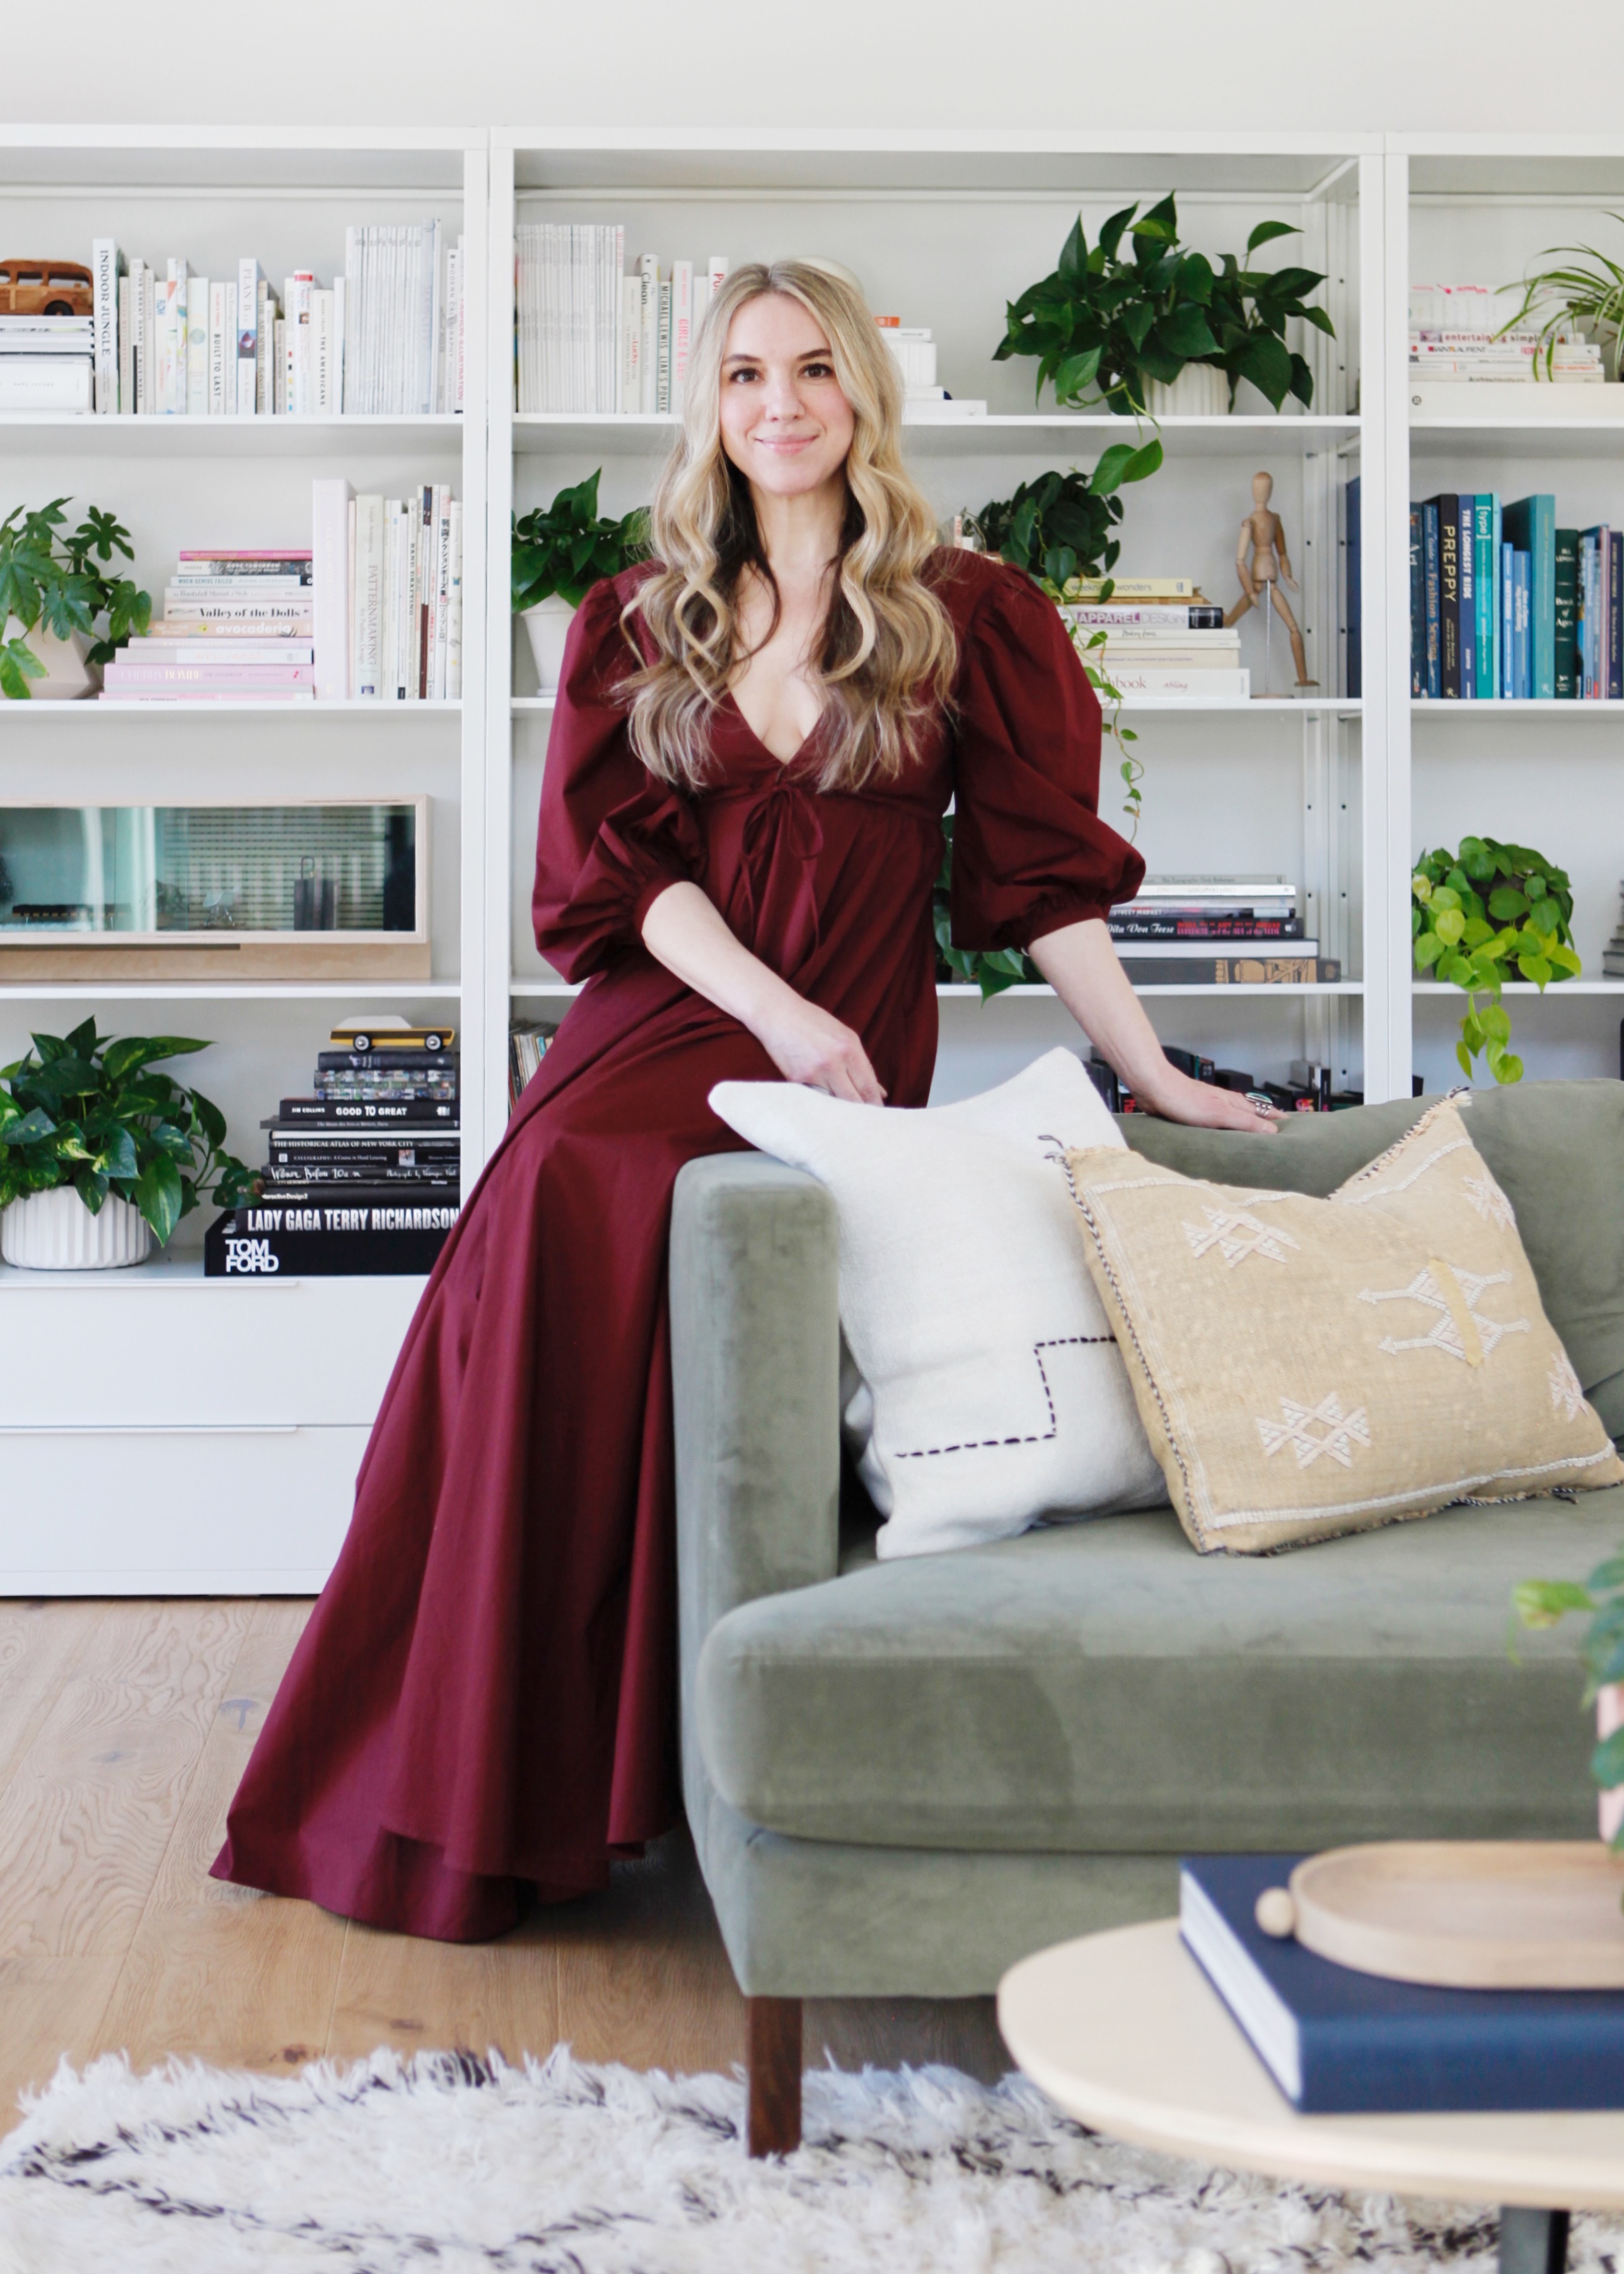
(1308,1366)
(1094,1687)
(1557,1151)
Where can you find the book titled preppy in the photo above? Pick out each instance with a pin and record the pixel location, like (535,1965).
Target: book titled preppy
(1341,2043)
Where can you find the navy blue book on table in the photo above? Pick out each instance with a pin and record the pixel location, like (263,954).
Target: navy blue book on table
(1339,2043)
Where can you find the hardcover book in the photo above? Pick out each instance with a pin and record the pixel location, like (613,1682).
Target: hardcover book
(1342,2042)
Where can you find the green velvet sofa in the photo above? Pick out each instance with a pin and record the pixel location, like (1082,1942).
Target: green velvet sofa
(903,1776)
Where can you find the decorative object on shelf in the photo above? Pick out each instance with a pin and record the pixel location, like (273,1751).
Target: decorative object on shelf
(1263,565)
(1474,333)
(560,552)
(46,287)
(89,1124)
(61,616)
(1459,1913)
(1588,296)
(134,891)
(1107,328)
(1057,530)
(1541,1603)
(1479,911)
(47,363)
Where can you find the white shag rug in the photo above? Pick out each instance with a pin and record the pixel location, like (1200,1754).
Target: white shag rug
(463,2167)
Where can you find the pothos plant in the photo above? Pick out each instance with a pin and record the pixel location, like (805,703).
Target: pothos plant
(1481,914)
(94,1112)
(49,578)
(566,548)
(1106,324)
(1545,1603)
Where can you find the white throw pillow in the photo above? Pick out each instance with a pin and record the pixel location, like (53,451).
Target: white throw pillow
(993,1392)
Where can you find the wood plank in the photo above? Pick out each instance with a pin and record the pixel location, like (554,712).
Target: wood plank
(41,1643)
(396,1990)
(52,2007)
(215,1971)
(642,1976)
(89,1810)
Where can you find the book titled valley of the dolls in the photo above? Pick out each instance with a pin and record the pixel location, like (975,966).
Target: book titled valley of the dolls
(1339,2043)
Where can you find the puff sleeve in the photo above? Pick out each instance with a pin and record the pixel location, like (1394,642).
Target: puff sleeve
(1030,852)
(612,836)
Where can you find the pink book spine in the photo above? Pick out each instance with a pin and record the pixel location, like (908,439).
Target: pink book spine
(209,674)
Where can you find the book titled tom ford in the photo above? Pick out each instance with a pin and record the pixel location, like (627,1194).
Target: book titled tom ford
(313,1232)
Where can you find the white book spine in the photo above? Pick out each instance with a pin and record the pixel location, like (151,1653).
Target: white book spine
(663,378)
(301,321)
(648,270)
(265,339)
(197,290)
(217,349)
(369,597)
(139,302)
(164,347)
(716,274)
(126,345)
(434,267)
(104,267)
(682,327)
(330,584)
(279,368)
(453,610)
(459,335)
(349,399)
(244,387)
(631,351)
(442,589)
(351,655)
(321,351)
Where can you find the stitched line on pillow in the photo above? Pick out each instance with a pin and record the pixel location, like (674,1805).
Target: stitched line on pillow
(1037,1437)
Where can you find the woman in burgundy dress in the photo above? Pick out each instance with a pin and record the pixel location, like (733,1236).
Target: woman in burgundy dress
(740,824)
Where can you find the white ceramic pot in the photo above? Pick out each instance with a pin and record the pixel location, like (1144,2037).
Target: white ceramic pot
(548,625)
(56,1231)
(1200,391)
(68,677)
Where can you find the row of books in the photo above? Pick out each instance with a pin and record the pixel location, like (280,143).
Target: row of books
(1504,604)
(363,1174)
(527,1046)
(1472,332)
(384,336)
(1307,1088)
(1162,636)
(591,337)
(1218,931)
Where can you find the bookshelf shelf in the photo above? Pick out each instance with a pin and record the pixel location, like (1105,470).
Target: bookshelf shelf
(352,991)
(1566,439)
(1344,707)
(548,991)
(1423,707)
(997,435)
(106,705)
(1568,986)
(40,434)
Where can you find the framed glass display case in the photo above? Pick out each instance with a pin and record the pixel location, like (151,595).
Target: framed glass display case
(328,888)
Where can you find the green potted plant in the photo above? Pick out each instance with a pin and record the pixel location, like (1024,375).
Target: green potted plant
(1590,296)
(1478,916)
(560,552)
(101,1153)
(61,615)
(1122,329)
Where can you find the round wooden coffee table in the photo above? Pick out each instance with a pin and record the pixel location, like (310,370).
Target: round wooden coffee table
(1125,2033)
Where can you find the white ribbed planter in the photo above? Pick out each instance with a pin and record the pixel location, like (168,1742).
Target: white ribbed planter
(1200,391)
(548,625)
(56,1231)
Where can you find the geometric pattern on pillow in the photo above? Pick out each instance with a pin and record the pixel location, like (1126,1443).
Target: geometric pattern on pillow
(1307,1366)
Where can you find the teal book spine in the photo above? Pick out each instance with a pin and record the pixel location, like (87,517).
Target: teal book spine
(1530,525)
(1483,581)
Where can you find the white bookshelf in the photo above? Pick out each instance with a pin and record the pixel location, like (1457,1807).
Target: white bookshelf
(209,1431)
(255,1421)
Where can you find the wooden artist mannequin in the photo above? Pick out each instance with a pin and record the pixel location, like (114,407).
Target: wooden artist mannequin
(1263,565)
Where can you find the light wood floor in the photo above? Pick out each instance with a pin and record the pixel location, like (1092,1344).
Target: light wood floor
(124,1726)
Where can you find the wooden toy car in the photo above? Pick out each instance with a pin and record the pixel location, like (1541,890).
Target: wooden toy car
(46,287)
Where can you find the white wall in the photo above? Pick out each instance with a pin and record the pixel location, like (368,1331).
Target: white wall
(1459,66)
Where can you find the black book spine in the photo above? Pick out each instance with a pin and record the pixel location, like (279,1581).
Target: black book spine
(396,1061)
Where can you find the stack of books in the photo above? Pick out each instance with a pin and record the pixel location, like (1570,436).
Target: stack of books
(363,1174)
(1455,333)
(1217,931)
(385,336)
(1308,1090)
(389,595)
(47,363)
(236,627)
(591,337)
(1504,604)
(1163,637)
(915,354)
(1612,957)
(527,1046)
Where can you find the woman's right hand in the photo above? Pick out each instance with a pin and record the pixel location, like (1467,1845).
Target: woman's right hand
(810,1046)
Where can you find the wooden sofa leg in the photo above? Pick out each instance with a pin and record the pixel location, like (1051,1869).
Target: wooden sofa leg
(774,2065)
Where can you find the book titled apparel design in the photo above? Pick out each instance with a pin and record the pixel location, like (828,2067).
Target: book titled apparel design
(1338,2042)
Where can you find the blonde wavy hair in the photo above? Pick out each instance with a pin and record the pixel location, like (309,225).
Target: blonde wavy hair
(888,649)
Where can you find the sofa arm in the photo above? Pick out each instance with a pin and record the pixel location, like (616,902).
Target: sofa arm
(755,1362)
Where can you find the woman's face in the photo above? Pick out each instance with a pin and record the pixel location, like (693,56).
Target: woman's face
(785,424)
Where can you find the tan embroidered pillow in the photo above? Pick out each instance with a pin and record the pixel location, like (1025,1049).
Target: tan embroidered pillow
(1308,1366)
